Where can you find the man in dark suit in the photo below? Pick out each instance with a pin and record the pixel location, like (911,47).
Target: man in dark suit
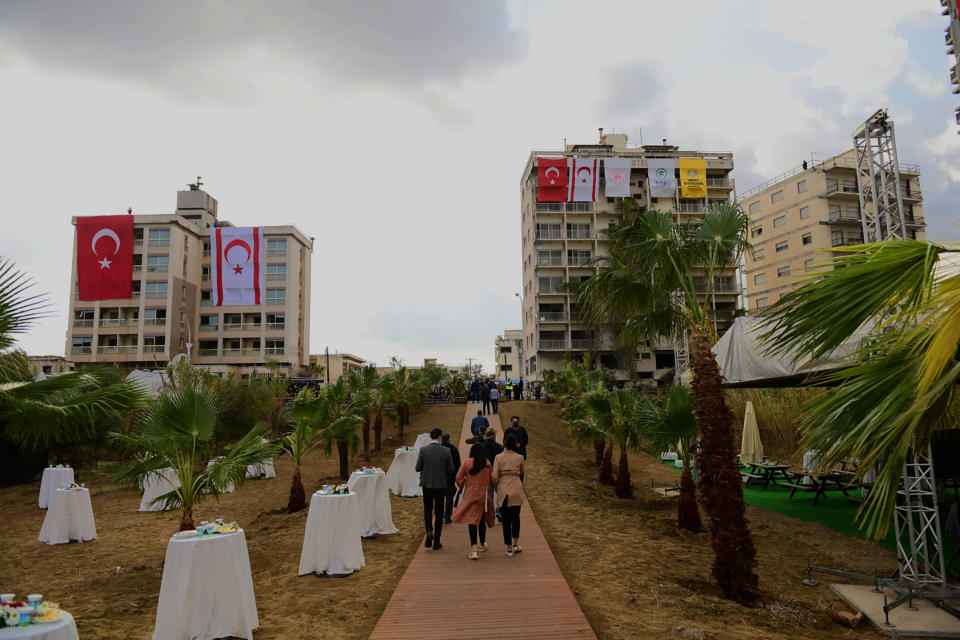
(485,398)
(435,465)
(452,488)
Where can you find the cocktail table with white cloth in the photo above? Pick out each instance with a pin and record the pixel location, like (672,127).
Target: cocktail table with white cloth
(157,484)
(63,629)
(53,478)
(402,476)
(206,590)
(331,540)
(70,517)
(375,511)
(422,440)
(263,471)
(229,488)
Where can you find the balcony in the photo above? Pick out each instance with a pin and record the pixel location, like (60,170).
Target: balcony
(154,348)
(138,242)
(553,316)
(553,344)
(276,252)
(232,326)
(578,261)
(720,183)
(848,241)
(851,163)
(549,207)
(81,350)
(159,242)
(845,216)
(915,221)
(276,276)
(117,322)
(559,290)
(914,195)
(549,234)
(206,253)
(578,234)
(206,352)
(205,277)
(583,343)
(137,268)
(157,268)
(689,208)
(273,326)
(83,323)
(209,327)
(154,322)
(842,189)
(206,302)
(274,351)
(579,207)
(118,349)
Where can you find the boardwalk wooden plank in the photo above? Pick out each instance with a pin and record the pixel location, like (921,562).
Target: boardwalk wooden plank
(445,595)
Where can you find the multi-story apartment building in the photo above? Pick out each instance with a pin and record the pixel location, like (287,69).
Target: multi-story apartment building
(49,365)
(508,354)
(797,217)
(335,365)
(171,305)
(560,239)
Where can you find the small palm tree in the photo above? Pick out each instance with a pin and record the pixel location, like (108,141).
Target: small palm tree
(379,397)
(298,443)
(672,424)
(335,417)
(615,415)
(176,431)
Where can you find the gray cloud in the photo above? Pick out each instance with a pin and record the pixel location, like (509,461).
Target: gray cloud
(630,87)
(208,47)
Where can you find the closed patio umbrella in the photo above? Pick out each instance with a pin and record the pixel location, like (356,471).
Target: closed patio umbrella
(751,449)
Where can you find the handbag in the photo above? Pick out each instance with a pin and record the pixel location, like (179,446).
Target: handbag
(459,494)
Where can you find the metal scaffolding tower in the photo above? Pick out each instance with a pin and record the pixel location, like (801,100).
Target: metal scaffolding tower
(878,179)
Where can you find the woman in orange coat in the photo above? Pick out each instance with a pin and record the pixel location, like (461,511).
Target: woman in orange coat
(506,475)
(476,506)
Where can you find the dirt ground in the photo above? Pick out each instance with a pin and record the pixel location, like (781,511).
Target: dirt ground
(636,575)
(111,585)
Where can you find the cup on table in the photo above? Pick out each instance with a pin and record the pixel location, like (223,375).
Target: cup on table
(25,613)
(7,597)
(34,599)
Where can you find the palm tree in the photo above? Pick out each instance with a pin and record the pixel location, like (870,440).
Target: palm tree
(901,387)
(658,282)
(362,384)
(335,416)
(408,392)
(379,397)
(176,431)
(60,410)
(298,443)
(672,424)
(615,415)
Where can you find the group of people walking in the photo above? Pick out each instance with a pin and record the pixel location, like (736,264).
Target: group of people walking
(489,483)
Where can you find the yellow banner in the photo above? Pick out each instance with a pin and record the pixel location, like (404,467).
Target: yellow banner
(693,177)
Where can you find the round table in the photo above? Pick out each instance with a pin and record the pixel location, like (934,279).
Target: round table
(375,511)
(206,590)
(156,485)
(331,541)
(264,470)
(63,629)
(70,517)
(53,478)
(422,440)
(402,476)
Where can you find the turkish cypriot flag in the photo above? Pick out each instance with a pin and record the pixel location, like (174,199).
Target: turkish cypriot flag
(616,172)
(237,265)
(693,177)
(663,184)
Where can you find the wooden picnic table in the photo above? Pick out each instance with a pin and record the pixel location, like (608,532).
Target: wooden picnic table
(767,471)
(822,482)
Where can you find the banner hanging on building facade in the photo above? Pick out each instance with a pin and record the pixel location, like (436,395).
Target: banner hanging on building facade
(616,174)
(660,174)
(583,179)
(104,257)
(693,177)
(237,265)
(551,179)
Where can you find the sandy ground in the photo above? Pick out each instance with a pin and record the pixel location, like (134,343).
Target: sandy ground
(635,574)
(111,585)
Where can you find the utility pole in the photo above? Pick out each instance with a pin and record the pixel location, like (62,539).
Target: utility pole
(326,375)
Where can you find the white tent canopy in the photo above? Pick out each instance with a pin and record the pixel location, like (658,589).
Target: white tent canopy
(154,381)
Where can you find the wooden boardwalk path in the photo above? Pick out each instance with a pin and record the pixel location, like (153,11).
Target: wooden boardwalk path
(445,595)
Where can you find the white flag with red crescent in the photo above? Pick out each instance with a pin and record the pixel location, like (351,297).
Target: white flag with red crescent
(616,177)
(583,179)
(236,262)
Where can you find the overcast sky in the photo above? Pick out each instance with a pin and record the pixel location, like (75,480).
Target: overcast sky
(396,132)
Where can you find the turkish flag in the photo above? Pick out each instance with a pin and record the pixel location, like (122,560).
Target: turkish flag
(237,265)
(105,257)
(551,179)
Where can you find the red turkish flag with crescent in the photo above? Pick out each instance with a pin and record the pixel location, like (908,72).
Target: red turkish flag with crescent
(551,179)
(237,265)
(104,257)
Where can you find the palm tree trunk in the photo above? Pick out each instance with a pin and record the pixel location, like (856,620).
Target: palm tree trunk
(599,446)
(344,452)
(298,497)
(688,514)
(606,467)
(186,519)
(366,438)
(624,489)
(377,431)
(721,489)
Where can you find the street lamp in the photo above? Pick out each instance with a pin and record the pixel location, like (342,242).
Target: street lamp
(520,347)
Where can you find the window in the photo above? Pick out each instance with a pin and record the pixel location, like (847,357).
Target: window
(548,230)
(779,221)
(206,249)
(206,298)
(156,289)
(154,316)
(664,360)
(276,296)
(549,257)
(804,213)
(276,246)
(205,273)
(756,231)
(276,272)
(758,254)
(776,196)
(274,347)
(783,246)
(783,271)
(159,237)
(550,284)
(808,265)
(754,207)
(807,238)
(578,230)
(83,318)
(801,186)
(761,303)
(760,278)
(645,355)
(578,256)
(81,345)
(276,321)
(158,264)
(153,344)
(836,238)
(506,349)
(209,323)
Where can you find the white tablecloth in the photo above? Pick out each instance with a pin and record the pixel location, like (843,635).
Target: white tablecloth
(402,476)
(156,485)
(375,512)
(266,470)
(331,541)
(207,590)
(52,480)
(229,488)
(70,517)
(422,440)
(62,629)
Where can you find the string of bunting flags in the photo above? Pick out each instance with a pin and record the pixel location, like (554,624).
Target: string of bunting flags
(578,180)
